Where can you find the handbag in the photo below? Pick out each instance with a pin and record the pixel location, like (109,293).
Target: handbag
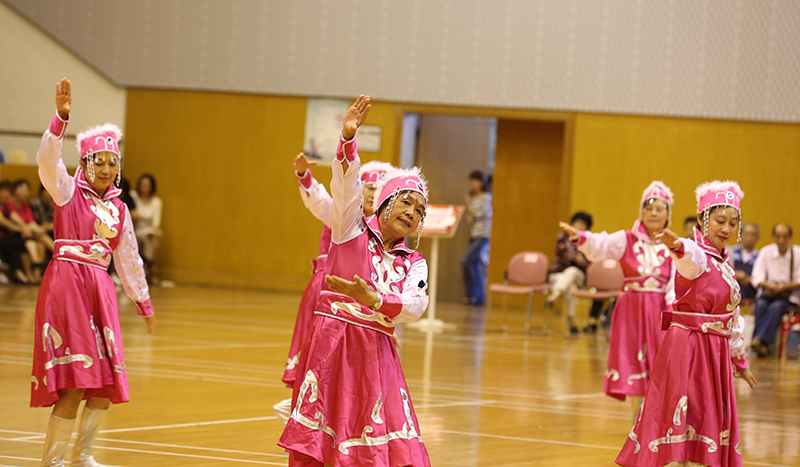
(770,295)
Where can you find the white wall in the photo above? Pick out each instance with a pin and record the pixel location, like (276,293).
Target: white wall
(32,63)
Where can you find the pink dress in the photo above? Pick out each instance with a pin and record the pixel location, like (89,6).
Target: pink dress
(689,412)
(636,333)
(352,406)
(317,200)
(77,340)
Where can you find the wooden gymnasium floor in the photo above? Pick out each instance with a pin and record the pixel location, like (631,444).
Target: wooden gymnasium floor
(202,389)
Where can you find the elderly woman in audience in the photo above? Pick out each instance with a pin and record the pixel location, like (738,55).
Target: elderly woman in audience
(148,225)
(43,211)
(37,241)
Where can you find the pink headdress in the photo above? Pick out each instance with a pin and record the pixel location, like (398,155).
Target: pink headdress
(100,138)
(374,171)
(398,181)
(657,190)
(717,193)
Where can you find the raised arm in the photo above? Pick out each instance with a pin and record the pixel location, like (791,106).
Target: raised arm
(345,185)
(690,261)
(130,270)
(314,195)
(52,171)
(603,245)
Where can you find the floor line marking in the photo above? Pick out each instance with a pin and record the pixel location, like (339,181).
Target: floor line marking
(184,425)
(199,448)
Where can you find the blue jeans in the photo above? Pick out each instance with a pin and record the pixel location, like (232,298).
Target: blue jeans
(768,318)
(475,270)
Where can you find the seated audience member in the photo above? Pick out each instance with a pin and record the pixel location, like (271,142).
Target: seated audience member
(148,226)
(12,246)
(744,257)
(37,242)
(568,270)
(44,210)
(688,227)
(775,274)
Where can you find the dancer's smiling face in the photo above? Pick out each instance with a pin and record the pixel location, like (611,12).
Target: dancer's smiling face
(723,223)
(106,166)
(407,212)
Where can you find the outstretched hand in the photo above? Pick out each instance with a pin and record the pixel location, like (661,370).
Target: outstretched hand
(750,379)
(574,234)
(301,164)
(357,289)
(355,117)
(151,323)
(669,238)
(63,98)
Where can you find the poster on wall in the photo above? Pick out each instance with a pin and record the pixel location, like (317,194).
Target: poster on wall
(323,125)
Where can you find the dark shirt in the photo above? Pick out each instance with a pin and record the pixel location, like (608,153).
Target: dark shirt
(748,291)
(567,255)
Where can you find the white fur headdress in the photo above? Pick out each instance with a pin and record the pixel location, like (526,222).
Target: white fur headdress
(399,180)
(718,193)
(99,138)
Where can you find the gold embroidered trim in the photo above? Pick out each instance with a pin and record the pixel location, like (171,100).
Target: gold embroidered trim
(35,381)
(376,411)
(355,310)
(614,374)
(642,354)
(725,438)
(292,362)
(635,439)
(690,435)
(51,340)
(682,407)
(310,382)
(633,378)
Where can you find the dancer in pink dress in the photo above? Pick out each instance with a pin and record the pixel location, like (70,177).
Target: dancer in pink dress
(352,406)
(319,202)
(689,413)
(78,348)
(636,323)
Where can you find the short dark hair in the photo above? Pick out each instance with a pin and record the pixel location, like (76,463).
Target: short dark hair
(477,175)
(5,185)
(753,225)
(21,182)
(690,219)
(775,228)
(584,216)
(152,182)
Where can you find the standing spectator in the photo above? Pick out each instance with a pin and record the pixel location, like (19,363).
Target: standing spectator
(744,258)
(775,275)
(44,211)
(475,260)
(688,227)
(568,270)
(148,227)
(35,237)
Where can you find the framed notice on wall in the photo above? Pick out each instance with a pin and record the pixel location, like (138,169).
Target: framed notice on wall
(369,138)
(323,125)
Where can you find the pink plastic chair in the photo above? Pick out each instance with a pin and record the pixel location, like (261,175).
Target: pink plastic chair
(526,275)
(604,281)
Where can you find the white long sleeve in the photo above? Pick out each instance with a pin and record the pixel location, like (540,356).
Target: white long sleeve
(317,200)
(129,266)
(52,171)
(693,263)
(346,213)
(600,246)
(413,297)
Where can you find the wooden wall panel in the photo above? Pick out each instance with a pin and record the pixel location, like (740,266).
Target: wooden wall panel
(616,157)
(232,212)
(528,189)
